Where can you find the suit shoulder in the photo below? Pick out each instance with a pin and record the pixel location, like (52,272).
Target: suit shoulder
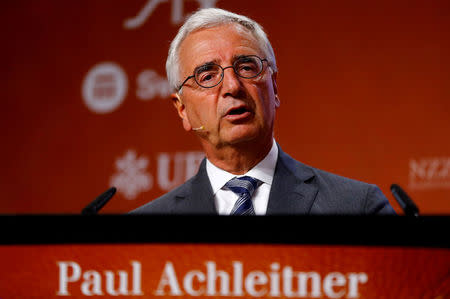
(340,182)
(361,197)
(305,172)
(165,203)
(338,194)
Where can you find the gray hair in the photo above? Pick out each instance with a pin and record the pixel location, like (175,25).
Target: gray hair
(208,18)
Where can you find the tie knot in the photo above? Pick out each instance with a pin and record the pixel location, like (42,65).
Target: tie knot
(243,185)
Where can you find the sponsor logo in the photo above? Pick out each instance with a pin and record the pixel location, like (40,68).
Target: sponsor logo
(151,85)
(429,173)
(177,15)
(184,165)
(133,178)
(104,88)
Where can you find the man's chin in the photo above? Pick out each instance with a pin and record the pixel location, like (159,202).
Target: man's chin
(241,134)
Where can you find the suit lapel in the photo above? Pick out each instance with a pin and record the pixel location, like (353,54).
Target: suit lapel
(293,191)
(198,198)
(294,188)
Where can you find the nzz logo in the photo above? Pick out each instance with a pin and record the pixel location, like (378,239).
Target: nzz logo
(429,173)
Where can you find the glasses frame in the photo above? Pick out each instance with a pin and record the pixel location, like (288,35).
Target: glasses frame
(223,72)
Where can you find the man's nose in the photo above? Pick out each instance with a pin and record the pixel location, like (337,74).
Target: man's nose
(231,83)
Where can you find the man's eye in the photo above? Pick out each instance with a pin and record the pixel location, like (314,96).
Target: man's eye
(206,76)
(248,69)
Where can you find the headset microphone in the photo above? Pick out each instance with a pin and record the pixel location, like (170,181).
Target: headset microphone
(201,128)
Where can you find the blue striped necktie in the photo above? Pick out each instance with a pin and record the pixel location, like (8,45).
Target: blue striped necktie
(244,187)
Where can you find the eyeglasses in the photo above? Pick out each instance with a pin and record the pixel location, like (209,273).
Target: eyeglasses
(210,74)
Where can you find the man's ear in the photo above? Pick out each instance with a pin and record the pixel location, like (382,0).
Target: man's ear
(181,109)
(275,89)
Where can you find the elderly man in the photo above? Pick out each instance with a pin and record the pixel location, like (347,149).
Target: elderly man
(223,69)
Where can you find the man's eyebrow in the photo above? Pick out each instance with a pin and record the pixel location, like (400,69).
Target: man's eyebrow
(215,61)
(236,57)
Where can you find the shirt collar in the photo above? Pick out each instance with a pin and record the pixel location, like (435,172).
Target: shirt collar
(263,171)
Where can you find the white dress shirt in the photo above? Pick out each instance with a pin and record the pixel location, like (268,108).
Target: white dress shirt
(263,171)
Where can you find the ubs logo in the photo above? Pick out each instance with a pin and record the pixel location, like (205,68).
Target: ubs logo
(132,176)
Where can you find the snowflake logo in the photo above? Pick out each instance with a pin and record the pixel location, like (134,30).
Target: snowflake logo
(131,177)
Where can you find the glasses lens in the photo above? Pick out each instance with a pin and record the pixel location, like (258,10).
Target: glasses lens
(248,66)
(208,75)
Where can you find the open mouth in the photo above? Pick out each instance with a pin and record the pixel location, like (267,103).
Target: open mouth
(239,114)
(238,111)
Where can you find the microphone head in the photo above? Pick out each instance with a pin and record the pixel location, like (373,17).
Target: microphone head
(99,202)
(405,202)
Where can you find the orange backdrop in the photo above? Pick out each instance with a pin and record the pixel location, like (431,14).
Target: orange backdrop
(364,91)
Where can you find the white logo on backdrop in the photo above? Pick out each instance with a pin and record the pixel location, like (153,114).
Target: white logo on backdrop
(177,10)
(132,177)
(429,173)
(185,165)
(104,87)
(151,85)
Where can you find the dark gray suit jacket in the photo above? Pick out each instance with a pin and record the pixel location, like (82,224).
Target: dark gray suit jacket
(296,189)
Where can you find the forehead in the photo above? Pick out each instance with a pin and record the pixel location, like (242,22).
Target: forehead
(219,44)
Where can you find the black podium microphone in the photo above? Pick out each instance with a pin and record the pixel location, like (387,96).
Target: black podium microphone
(408,206)
(99,202)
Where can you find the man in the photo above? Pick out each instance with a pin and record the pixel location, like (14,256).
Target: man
(223,69)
